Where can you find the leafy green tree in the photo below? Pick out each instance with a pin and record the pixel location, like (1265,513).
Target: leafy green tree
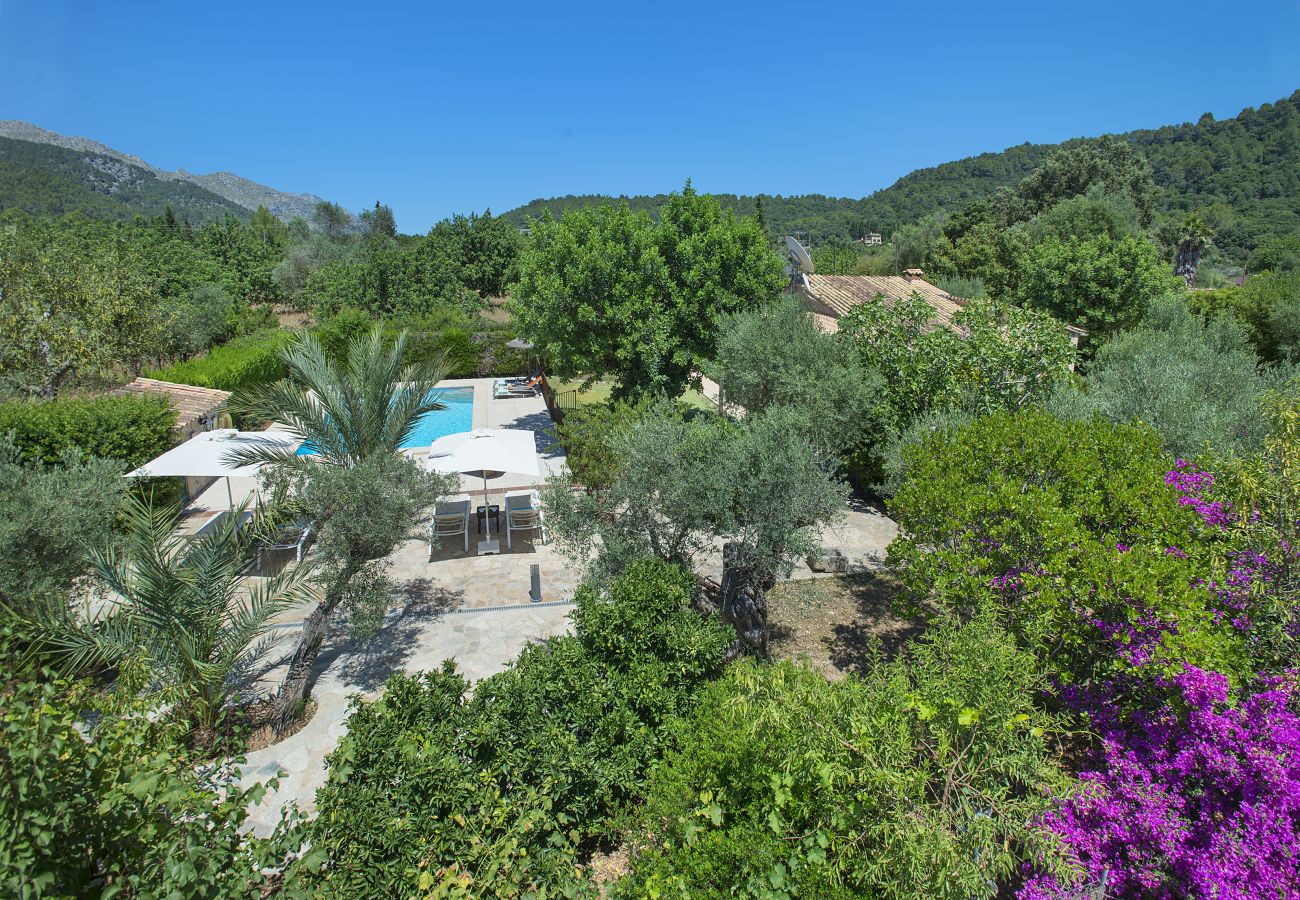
(331,218)
(178,612)
(482,251)
(1008,357)
(100,798)
(514,778)
(777,356)
(607,291)
(198,322)
(1098,284)
(1109,163)
(1196,382)
(64,314)
(921,779)
(379,220)
(267,228)
(48,513)
(1278,254)
(362,497)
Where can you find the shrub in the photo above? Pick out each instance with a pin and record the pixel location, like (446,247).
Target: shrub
(111,804)
(1196,382)
(48,516)
(1197,799)
(496,792)
(132,430)
(243,363)
(921,779)
(1070,534)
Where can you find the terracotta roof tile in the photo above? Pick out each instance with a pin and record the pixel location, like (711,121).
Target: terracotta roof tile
(835,295)
(191,403)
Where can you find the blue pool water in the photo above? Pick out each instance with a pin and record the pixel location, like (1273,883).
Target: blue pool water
(441,422)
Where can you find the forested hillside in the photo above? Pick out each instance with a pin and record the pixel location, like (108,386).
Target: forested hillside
(46,180)
(1242,174)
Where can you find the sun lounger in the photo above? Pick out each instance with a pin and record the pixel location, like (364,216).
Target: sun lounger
(524,513)
(450,517)
(510,388)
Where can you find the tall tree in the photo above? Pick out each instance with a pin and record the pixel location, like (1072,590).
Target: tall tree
(380,220)
(606,291)
(1194,237)
(331,218)
(361,495)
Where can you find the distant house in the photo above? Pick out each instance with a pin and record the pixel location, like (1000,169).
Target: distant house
(871,239)
(831,297)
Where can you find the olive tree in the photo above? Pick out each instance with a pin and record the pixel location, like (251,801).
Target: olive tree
(758,487)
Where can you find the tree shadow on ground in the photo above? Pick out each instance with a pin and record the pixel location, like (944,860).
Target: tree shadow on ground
(876,624)
(542,425)
(367,662)
(835,623)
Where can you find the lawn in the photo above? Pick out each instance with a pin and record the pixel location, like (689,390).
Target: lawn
(598,393)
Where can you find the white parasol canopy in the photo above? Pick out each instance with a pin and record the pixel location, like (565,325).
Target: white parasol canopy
(500,450)
(206,455)
(487,453)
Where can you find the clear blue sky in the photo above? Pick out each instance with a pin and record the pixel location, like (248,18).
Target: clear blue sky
(438,108)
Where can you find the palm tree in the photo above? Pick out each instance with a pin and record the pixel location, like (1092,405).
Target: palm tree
(1194,237)
(180,614)
(348,413)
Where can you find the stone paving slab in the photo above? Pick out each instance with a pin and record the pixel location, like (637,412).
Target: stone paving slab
(414,638)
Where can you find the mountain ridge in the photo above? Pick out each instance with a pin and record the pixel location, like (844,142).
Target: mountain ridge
(236,189)
(1242,172)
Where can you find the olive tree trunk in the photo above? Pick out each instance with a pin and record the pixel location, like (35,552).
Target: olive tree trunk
(298,679)
(743,606)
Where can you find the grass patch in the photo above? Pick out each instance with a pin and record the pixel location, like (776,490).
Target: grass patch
(599,392)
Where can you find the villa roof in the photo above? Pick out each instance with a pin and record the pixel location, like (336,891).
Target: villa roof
(833,296)
(192,404)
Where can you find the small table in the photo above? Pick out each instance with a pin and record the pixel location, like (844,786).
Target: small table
(490,513)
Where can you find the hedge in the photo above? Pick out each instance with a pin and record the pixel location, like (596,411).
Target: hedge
(242,363)
(131,429)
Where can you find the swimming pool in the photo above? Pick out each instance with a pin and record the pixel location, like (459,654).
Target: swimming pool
(458,416)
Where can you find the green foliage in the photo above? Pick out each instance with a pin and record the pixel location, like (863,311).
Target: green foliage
(1099,284)
(1051,525)
(48,515)
(589,433)
(1196,382)
(837,258)
(66,313)
(183,615)
(484,250)
(113,805)
(610,292)
(132,430)
(242,364)
(777,356)
(492,795)
(380,220)
(683,483)
(1008,358)
(921,779)
(1276,254)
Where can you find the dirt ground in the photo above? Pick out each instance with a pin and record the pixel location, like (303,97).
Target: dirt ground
(833,622)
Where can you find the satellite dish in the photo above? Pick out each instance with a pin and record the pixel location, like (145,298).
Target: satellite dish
(799,257)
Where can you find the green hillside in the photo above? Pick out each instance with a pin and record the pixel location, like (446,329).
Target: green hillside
(1242,173)
(45,180)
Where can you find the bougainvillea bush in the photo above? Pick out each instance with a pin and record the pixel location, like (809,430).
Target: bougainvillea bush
(1198,798)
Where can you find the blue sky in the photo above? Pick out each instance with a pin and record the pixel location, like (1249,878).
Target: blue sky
(437,108)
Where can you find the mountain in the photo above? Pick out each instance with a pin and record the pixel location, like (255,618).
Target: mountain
(46,180)
(62,174)
(1242,174)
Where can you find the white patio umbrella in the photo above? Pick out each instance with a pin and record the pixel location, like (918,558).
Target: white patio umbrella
(205,456)
(487,453)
